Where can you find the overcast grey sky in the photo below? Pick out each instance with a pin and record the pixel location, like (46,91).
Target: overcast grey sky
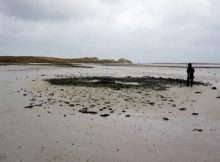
(140,30)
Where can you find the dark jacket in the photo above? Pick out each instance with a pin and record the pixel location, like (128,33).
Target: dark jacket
(190,72)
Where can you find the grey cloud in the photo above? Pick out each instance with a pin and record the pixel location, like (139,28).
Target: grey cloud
(141,30)
(52,10)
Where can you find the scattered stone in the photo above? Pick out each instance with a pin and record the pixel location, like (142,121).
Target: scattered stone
(214,88)
(198,92)
(182,109)
(38,105)
(198,130)
(195,114)
(166,119)
(29,107)
(104,115)
(152,103)
(85,111)
(218,97)
(127,115)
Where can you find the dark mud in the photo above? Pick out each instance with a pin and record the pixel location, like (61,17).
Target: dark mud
(122,82)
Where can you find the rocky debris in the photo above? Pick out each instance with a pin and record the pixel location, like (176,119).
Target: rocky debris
(166,119)
(195,113)
(214,88)
(198,130)
(118,83)
(29,107)
(182,109)
(198,92)
(127,115)
(86,111)
(104,115)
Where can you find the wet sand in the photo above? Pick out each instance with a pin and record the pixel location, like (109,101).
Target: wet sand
(44,122)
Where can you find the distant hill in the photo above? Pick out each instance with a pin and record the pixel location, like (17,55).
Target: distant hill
(53,60)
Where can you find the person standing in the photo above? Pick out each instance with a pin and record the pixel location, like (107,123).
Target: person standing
(190,74)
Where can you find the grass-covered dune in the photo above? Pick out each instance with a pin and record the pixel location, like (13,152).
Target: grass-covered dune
(54,60)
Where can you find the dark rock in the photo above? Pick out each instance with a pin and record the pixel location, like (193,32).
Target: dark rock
(198,92)
(127,115)
(214,88)
(104,115)
(85,111)
(38,105)
(198,130)
(164,118)
(182,109)
(195,114)
(29,107)
(152,103)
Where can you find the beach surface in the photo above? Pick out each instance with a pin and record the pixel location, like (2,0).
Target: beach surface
(41,122)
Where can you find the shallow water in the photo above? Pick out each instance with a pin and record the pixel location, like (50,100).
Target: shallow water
(22,73)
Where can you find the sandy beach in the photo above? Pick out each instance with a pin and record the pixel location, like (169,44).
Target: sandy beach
(41,122)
